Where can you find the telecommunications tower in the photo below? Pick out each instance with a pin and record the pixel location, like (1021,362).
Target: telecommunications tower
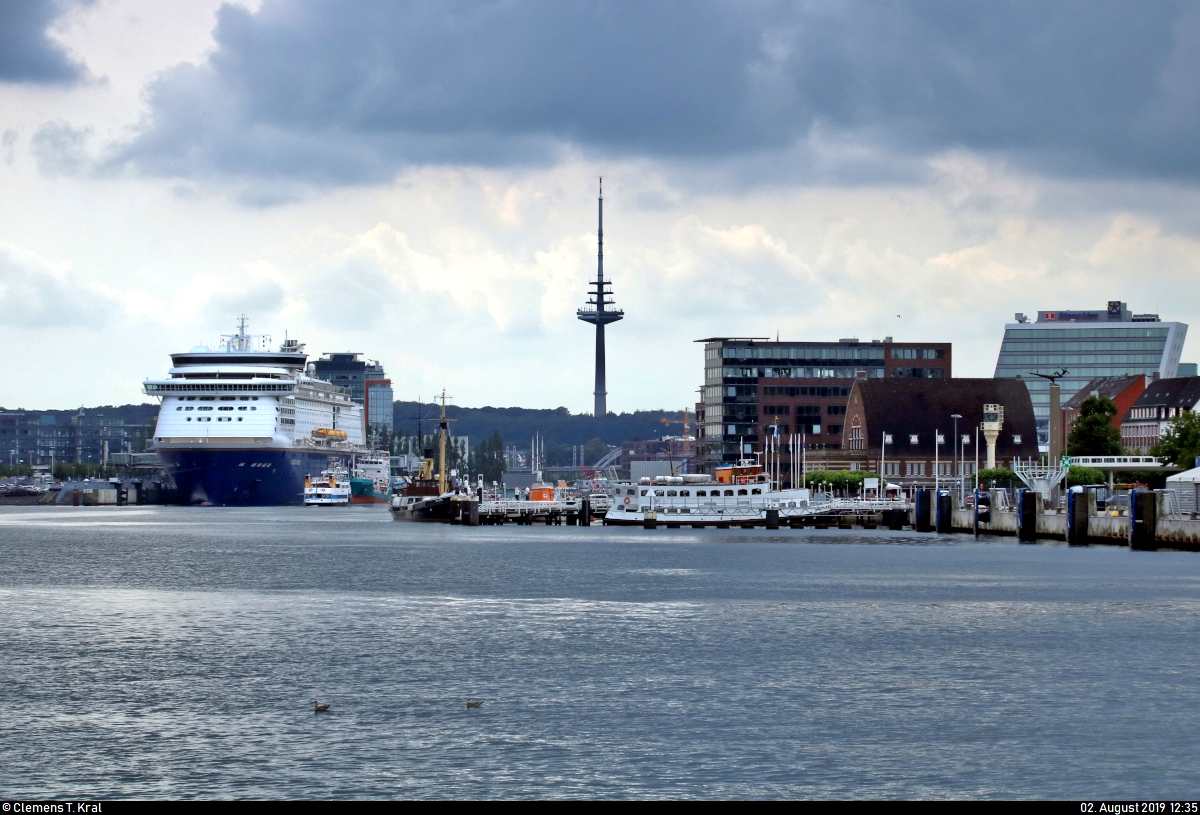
(600,312)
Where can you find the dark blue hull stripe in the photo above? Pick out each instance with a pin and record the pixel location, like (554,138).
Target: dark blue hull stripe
(245,477)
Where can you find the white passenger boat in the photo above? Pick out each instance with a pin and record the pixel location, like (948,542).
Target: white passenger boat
(333,487)
(737,493)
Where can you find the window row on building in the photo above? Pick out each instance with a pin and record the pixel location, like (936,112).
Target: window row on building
(803,410)
(1023,346)
(1081,359)
(1090,333)
(796,373)
(770,350)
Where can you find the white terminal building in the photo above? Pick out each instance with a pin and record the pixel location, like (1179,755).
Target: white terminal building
(1087,344)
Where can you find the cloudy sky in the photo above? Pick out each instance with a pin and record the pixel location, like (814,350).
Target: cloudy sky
(417,181)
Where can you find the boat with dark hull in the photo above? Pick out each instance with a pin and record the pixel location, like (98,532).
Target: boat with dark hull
(429,496)
(242,424)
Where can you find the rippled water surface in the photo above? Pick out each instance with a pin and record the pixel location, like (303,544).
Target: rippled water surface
(175,652)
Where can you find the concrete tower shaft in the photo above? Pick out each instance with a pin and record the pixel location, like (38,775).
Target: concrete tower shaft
(600,311)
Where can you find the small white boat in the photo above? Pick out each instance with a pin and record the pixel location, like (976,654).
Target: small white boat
(333,487)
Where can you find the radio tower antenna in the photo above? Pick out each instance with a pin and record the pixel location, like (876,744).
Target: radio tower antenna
(600,311)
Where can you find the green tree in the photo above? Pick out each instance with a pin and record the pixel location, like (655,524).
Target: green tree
(847,482)
(595,450)
(1180,442)
(1085,475)
(487,459)
(1093,433)
(997,477)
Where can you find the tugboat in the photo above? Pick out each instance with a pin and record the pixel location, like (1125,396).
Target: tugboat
(332,488)
(427,498)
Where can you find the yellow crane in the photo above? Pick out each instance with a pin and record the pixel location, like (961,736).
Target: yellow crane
(686,421)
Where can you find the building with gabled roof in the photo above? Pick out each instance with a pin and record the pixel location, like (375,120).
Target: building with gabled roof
(895,421)
(1162,401)
(1122,390)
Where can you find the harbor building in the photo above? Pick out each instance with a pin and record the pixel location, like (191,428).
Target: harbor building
(1161,402)
(346,370)
(754,387)
(922,430)
(1122,390)
(46,438)
(1086,344)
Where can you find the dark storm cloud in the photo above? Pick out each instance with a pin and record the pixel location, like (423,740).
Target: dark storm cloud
(336,92)
(26,53)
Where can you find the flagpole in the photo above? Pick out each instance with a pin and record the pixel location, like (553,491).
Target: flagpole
(804,459)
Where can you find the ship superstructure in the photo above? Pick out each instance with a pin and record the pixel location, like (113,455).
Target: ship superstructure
(244,424)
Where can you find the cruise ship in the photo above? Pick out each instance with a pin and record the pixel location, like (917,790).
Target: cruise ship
(243,424)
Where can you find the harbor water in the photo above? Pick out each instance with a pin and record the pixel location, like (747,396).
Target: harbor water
(176,652)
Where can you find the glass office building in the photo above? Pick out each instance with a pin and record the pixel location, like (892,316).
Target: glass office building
(1086,344)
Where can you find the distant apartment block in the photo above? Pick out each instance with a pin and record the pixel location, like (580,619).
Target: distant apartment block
(45,438)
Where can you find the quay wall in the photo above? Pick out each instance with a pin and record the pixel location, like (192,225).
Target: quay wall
(1101,528)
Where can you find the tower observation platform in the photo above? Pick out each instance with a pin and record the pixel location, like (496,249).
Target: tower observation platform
(600,311)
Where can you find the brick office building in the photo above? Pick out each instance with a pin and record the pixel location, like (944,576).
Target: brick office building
(752,386)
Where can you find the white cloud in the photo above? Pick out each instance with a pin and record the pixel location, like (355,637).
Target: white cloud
(469,277)
(34,295)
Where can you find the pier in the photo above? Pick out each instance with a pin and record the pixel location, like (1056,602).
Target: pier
(496,512)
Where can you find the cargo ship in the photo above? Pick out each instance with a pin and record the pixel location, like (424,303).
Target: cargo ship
(243,425)
(370,482)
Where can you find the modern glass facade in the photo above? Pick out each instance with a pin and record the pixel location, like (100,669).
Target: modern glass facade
(1111,342)
(379,404)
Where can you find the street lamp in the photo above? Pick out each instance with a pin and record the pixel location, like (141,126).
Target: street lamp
(887,439)
(957,441)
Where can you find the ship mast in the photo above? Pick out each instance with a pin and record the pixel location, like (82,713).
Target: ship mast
(443,476)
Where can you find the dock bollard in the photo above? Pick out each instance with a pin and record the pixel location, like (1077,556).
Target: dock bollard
(585,513)
(945,512)
(1143,520)
(922,511)
(1027,512)
(1078,513)
(772,519)
(650,520)
(473,516)
(896,519)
